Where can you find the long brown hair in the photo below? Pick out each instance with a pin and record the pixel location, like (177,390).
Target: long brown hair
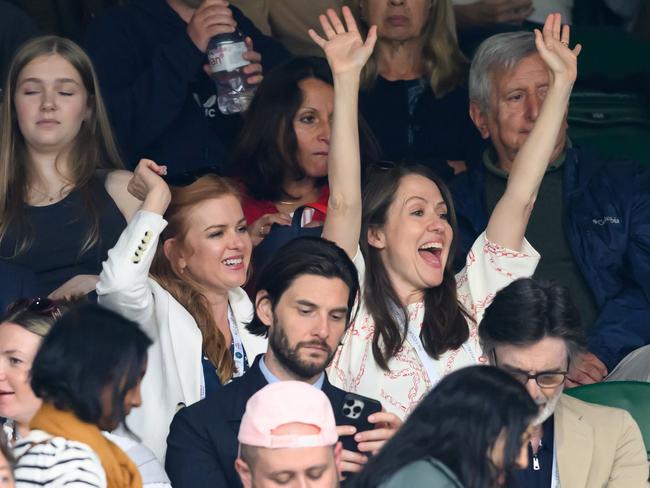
(94,147)
(445,320)
(443,63)
(181,286)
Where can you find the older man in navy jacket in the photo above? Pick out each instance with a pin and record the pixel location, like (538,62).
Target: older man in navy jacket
(591,221)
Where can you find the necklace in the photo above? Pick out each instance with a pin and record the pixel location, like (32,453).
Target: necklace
(49,197)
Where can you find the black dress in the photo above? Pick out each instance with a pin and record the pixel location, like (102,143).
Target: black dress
(59,232)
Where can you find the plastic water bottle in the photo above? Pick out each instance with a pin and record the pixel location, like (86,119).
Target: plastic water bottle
(225,54)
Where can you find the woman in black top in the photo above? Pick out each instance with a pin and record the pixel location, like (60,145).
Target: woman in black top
(414,94)
(63,200)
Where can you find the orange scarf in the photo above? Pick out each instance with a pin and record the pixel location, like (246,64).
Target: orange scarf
(120,471)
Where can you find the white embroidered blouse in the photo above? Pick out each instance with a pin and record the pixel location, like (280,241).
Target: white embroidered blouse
(489,268)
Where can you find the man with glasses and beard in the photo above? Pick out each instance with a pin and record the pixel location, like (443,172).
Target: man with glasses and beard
(532,330)
(303,304)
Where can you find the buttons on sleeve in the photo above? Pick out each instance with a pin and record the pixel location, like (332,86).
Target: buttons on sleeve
(142,247)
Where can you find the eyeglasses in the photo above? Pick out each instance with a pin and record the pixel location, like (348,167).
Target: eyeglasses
(545,379)
(40,306)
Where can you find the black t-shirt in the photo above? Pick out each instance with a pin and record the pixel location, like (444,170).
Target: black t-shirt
(59,232)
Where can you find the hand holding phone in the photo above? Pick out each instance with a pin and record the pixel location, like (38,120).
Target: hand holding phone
(363,430)
(354,411)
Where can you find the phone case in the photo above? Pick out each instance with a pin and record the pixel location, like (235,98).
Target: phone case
(355,410)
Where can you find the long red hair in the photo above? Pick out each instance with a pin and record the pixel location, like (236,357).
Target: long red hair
(181,286)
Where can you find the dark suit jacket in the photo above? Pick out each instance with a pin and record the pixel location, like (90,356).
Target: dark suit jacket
(202,444)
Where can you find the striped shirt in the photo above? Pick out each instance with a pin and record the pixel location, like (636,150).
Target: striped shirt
(55,462)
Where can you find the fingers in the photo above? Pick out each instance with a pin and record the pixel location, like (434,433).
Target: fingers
(253,68)
(262,227)
(316,38)
(374,435)
(253,71)
(335,21)
(577,50)
(373,440)
(372,37)
(372,447)
(252,55)
(602,368)
(564,39)
(387,419)
(588,369)
(352,462)
(327,27)
(160,170)
(349,19)
(591,371)
(557,26)
(343,430)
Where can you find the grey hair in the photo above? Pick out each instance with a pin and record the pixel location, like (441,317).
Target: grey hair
(499,52)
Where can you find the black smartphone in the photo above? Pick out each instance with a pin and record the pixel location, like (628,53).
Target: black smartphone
(355,410)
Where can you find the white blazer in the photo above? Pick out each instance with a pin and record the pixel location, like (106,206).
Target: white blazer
(174,371)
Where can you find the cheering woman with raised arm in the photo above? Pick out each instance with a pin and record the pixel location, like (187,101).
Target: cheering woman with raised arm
(416,321)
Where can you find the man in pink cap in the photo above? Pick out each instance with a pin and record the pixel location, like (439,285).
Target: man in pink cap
(288,442)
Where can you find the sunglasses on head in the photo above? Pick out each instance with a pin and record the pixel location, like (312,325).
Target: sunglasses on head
(40,306)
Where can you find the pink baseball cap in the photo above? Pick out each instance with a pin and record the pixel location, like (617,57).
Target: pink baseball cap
(287,402)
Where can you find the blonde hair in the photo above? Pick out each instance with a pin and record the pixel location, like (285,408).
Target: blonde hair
(95,147)
(38,323)
(180,285)
(444,65)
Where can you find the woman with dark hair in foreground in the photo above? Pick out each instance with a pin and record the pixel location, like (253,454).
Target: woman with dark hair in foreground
(88,373)
(470,431)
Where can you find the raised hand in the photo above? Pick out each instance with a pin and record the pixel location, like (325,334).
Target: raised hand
(553,46)
(147,185)
(344,48)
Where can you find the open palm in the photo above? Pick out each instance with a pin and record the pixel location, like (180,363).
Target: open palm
(553,46)
(345,49)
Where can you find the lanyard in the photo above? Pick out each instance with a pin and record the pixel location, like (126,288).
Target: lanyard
(239,355)
(425,359)
(413,336)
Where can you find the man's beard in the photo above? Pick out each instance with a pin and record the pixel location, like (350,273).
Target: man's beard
(548,407)
(289,356)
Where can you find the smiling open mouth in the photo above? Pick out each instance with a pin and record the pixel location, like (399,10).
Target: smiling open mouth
(431,253)
(232,262)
